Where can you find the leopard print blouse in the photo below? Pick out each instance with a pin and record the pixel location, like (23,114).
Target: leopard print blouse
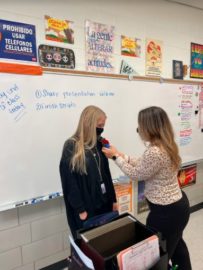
(154,166)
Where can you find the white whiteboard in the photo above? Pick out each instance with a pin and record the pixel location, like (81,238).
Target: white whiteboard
(38,113)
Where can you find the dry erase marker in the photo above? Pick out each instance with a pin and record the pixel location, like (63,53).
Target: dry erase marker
(19,204)
(36,200)
(54,195)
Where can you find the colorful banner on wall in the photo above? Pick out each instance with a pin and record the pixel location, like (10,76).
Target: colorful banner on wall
(196,69)
(17,41)
(187,175)
(154,50)
(130,46)
(99,47)
(59,30)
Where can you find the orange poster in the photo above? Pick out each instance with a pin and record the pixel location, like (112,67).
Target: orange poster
(124,197)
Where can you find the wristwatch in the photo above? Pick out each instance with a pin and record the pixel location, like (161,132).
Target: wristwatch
(114,157)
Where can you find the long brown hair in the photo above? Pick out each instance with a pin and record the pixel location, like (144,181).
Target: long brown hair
(85,136)
(155,127)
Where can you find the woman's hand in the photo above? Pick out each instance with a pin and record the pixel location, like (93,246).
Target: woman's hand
(83,215)
(110,152)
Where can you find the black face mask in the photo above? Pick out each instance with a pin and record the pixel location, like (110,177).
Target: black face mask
(99,131)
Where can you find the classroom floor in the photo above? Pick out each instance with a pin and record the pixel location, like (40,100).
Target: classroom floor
(193,236)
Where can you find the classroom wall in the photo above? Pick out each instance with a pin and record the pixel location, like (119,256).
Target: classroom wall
(176,25)
(32,237)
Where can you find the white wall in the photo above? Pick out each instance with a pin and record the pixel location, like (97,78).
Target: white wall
(33,237)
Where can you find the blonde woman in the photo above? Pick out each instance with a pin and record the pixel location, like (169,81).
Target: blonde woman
(158,166)
(86,179)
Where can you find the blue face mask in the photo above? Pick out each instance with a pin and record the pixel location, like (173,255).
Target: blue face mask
(99,131)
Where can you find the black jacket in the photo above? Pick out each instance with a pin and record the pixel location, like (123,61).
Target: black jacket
(83,192)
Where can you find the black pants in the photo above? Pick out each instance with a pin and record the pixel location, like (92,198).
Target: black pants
(171,220)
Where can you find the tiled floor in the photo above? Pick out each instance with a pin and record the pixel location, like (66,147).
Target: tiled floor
(194,239)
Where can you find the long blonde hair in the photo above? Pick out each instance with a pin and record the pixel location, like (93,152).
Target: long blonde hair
(155,127)
(85,136)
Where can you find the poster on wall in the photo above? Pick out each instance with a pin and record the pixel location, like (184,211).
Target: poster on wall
(130,46)
(154,50)
(99,47)
(196,67)
(177,69)
(187,175)
(142,205)
(59,30)
(52,56)
(124,197)
(201,108)
(186,107)
(17,41)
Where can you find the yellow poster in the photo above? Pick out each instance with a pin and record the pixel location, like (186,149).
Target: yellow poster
(130,46)
(59,30)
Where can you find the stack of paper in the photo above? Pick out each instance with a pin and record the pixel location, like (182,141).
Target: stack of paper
(141,256)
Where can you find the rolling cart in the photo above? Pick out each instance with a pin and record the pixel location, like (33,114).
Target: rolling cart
(102,248)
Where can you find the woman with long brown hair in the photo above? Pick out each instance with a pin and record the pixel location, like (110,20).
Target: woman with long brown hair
(158,166)
(85,176)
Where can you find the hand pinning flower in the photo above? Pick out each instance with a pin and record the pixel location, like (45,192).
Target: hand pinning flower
(105,142)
